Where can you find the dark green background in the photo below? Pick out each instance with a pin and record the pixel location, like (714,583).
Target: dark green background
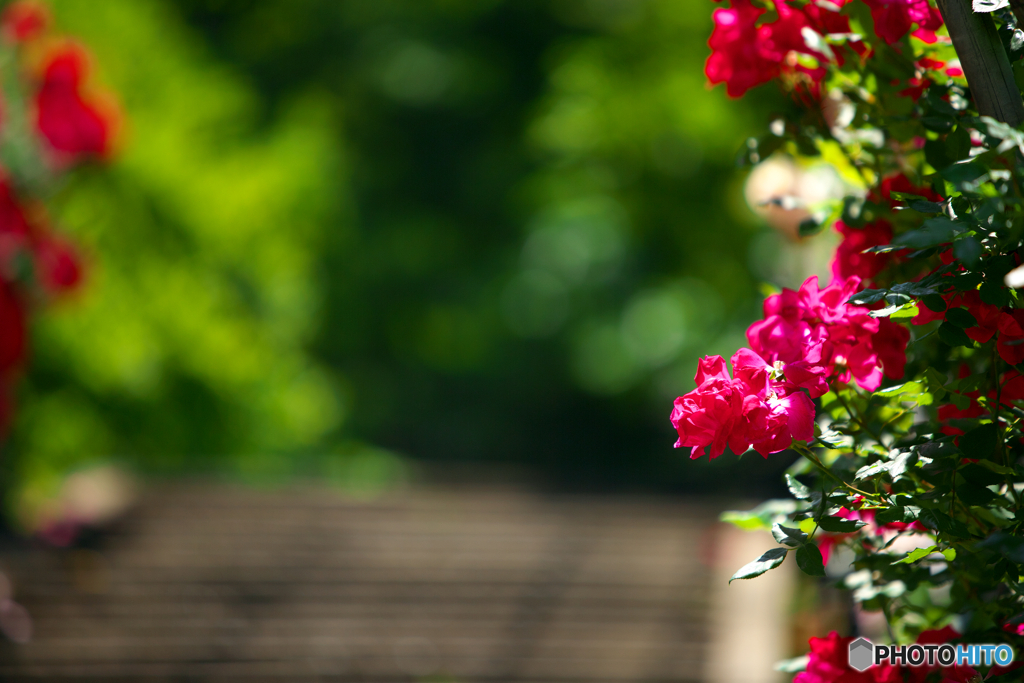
(346,235)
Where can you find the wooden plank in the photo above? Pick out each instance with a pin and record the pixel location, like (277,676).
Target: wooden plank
(216,583)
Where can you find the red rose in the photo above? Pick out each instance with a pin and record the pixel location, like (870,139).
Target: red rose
(72,125)
(894,18)
(24,20)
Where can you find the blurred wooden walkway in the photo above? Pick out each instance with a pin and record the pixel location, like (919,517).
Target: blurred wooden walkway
(214,583)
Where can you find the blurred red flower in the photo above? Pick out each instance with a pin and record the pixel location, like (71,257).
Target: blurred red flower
(72,124)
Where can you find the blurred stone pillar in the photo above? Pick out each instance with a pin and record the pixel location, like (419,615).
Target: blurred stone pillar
(750,620)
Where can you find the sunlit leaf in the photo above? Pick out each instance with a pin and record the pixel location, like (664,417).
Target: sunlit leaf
(916,555)
(770,560)
(788,535)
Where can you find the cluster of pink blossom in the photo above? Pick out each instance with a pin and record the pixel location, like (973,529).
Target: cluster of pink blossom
(72,123)
(1007,324)
(807,340)
(851,259)
(828,663)
(751,410)
(818,338)
(55,265)
(745,53)
(894,18)
(811,338)
(1011,388)
(827,541)
(73,118)
(926,69)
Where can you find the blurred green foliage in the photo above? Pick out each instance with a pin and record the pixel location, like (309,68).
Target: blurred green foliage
(186,347)
(468,230)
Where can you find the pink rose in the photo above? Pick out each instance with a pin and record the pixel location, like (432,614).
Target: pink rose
(817,336)
(707,415)
(751,410)
(894,18)
(850,259)
(744,55)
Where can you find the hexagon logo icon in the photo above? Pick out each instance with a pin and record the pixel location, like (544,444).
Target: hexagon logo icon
(861,652)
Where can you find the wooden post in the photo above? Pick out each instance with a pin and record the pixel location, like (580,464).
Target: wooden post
(984,62)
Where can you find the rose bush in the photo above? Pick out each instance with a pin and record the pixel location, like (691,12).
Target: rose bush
(901,381)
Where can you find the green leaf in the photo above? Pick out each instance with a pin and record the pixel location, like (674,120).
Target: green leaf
(970,383)
(949,554)
(895,297)
(899,513)
(1010,547)
(805,145)
(798,490)
(967,281)
(962,175)
(961,317)
(893,589)
(883,249)
(915,555)
(906,311)
(968,250)
(867,297)
(937,449)
(871,470)
(810,226)
(994,293)
(934,302)
(899,310)
(980,442)
(761,517)
(938,124)
(936,382)
(935,150)
(792,666)
(901,463)
(960,401)
(853,211)
(904,196)
(934,231)
(993,467)
(900,305)
(917,202)
(1009,136)
(911,388)
(788,535)
(975,495)
(838,525)
(951,335)
(940,521)
(922,288)
(808,558)
(925,206)
(958,144)
(979,475)
(896,467)
(831,439)
(770,560)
